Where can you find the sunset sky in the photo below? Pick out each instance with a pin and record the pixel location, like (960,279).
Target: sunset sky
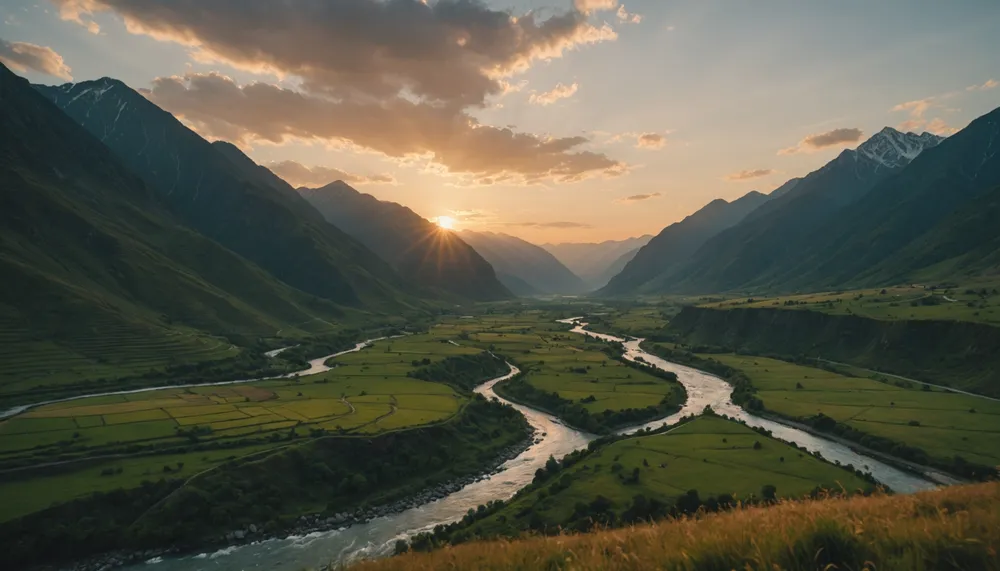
(552,120)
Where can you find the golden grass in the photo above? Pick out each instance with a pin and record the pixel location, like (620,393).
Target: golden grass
(953,528)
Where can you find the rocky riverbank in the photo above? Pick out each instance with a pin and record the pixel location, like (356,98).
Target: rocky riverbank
(310,523)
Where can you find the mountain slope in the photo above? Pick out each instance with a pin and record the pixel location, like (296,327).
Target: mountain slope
(755,252)
(941,206)
(591,261)
(99,277)
(416,247)
(210,194)
(526,269)
(672,246)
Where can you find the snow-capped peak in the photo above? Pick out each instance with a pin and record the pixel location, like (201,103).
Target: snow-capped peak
(894,149)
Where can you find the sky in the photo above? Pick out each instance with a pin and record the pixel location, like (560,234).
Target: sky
(551,120)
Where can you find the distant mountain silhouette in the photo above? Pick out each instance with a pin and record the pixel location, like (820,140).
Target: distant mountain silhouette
(594,262)
(526,269)
(419,249)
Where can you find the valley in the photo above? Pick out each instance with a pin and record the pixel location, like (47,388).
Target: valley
(451,344)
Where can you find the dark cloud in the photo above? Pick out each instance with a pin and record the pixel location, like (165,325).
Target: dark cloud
(561,224)
(749,174)
(821,141)
(454,51)
(219,108)
(23,57)
(638,197)
(297,174)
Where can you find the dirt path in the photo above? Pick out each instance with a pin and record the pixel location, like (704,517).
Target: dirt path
(942,387)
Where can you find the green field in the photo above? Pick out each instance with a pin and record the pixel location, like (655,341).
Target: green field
(173,432)
(976,302)
(943,424)
(709,454)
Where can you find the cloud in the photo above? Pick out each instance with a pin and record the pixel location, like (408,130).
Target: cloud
(638,198)
(561,224)
(451,51)
(749,174)
(558,92)
(297,174)
(591,6)
(918,109)
(650,141)
(217,107)
(23,57)
(990,84)
(820,141)
(939,127)
(627,17)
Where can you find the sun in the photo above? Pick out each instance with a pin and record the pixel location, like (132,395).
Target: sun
(446,222)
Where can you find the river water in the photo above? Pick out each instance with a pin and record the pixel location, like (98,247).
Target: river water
(377,537)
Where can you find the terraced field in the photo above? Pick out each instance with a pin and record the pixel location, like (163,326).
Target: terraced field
(109,349)
(121,440)
(944,424)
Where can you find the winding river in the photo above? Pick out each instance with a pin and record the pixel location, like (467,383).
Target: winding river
(377,537)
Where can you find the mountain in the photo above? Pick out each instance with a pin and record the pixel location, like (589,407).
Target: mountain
(754,253)
(940,210)
(100,278)
(592,261)
(418,249)
(526,269)
(675,244)
(208,192)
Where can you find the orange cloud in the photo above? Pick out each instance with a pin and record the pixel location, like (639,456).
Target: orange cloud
(638,198)
(650,141)
(820,141)
(218,107)
(453,52)
(560,91)
(23,57)
(749,174)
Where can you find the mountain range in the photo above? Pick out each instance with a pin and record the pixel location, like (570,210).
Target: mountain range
(526,269)
(596,263)
(891,210)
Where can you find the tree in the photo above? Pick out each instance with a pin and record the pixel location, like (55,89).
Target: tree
(769,493)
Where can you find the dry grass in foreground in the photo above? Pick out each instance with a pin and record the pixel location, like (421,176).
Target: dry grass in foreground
(953,528)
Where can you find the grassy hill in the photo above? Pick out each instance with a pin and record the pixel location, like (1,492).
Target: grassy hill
(101,280)
(953,528)
(207,192)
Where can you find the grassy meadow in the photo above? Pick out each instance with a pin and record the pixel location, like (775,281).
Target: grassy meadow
(711,455)
(952,528)
(944,424)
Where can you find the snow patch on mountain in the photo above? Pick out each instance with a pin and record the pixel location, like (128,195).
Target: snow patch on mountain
(893,149)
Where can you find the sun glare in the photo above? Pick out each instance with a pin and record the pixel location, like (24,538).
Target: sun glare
(446,222)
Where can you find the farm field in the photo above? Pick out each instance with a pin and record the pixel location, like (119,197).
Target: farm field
(943,424)
(976,302)
(107,350)
(570,365)
(179,432)
(709,454)
(638,321)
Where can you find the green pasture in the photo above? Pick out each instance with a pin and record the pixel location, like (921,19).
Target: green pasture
(711,455)
(944,424)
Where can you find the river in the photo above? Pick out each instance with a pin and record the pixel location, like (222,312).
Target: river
(377,537)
